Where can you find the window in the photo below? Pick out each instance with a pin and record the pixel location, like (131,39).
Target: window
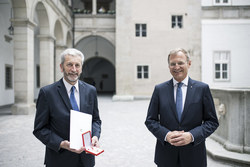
(142,72)
(140,30)
(177,21)
(8,76)
(221,65)
(104,6)
(37,76)
(221,2)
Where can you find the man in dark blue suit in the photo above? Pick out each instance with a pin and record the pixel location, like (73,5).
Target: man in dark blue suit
(52,121)
(181,115)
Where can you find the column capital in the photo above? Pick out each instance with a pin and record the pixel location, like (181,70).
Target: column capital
(46,37)
(61,46)
(23,23)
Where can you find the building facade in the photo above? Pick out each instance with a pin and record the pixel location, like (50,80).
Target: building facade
(125,43)
(145,34)
(6,57)
(38,31)
(225,35)
(226,43)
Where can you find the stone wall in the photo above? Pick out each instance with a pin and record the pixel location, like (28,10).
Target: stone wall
(233,111)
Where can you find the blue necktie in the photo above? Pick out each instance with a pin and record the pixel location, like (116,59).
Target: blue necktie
(73,99)
(179,100)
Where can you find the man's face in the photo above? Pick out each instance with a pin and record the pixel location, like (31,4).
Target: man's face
(71,68)
(179,66)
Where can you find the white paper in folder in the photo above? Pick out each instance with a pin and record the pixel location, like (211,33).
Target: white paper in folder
(79,124)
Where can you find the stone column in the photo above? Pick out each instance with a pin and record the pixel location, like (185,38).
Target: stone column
(46,59)
(23,66)
(94,4)
(59,50)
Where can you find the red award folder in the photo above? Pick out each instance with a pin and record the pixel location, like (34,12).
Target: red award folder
(87,140)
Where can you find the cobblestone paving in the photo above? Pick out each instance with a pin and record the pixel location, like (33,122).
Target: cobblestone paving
(125,139)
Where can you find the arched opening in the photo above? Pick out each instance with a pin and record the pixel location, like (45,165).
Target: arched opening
(100,73)
(99,65)
(42,28)
(58,49)
(97,46)
(36,57)
(69,40)
(58,32)
(43,20)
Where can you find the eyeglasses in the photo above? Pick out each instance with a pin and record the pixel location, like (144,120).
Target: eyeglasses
(180,63)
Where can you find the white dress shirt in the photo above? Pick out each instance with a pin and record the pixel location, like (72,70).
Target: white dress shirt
(76,93)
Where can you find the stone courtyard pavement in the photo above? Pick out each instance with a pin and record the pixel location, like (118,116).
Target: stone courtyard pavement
(125,138)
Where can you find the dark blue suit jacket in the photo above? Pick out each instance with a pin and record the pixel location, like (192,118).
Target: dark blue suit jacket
(198,117)
(52,123)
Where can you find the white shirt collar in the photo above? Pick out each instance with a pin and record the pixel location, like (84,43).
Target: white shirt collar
(185,81)
(68,85)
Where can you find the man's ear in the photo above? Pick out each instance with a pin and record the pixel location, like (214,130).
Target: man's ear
(61,67)
(189,63)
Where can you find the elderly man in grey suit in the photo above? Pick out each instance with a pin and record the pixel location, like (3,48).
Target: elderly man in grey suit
(52,121)
(181,115)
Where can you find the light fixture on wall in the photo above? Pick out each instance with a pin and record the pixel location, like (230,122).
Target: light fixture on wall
(11,28)
(96,52)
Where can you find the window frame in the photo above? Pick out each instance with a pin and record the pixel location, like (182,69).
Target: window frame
(144,30)
(176,23)
(38,76)
(221,63)
(221,2)
(144,72)
(140,30)
(9,80)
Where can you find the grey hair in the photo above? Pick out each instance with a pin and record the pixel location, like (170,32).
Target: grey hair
(175,51)
(72,52)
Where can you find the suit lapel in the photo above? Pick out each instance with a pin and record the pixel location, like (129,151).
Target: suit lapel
(171,98)
(82,95)
(189,95)
(63,93)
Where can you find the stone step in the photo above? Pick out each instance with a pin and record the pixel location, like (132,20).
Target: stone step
(218,152)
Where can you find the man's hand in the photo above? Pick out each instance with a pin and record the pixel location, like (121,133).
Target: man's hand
(65,144)
(179,138)
(95,141)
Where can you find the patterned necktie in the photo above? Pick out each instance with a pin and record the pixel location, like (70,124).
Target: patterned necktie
(73,99)
(179,100)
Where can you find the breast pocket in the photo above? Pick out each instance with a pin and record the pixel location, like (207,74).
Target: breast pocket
(195,113)
(87,106)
